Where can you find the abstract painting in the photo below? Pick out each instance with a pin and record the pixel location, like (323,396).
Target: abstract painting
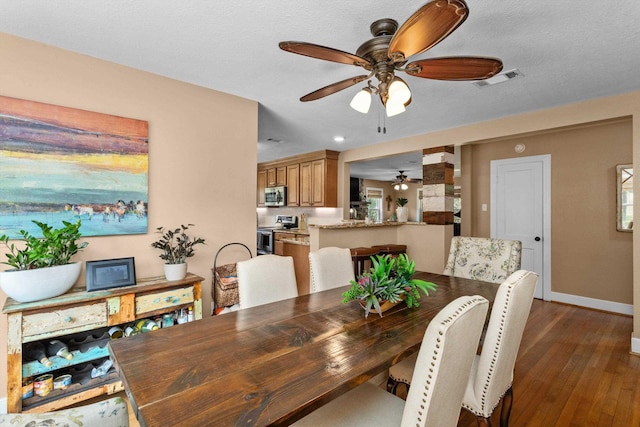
(64,164)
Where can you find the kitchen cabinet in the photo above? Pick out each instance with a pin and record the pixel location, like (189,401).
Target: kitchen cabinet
(293,185)
(281,176)
(82,320)
(262,184)
(277,176)
(311,178)
(300,255)
(318,183)
(271,177)
(295,245)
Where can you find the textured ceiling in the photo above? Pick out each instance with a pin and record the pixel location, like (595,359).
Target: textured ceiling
(568,51)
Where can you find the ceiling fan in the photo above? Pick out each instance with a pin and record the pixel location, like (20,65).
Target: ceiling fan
(387,52)
(401,181)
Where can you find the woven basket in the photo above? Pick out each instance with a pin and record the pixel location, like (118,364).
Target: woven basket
(226,283)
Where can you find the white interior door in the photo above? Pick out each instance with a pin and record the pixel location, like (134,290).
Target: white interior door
(520,210)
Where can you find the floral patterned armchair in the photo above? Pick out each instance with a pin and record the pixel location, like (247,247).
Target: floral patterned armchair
(479,258)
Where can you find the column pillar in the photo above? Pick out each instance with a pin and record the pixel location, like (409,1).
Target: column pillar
(437,181)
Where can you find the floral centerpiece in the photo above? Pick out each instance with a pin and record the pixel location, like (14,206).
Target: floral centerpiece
(389,279)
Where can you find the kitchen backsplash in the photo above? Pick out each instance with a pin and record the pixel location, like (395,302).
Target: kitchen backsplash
(267,216)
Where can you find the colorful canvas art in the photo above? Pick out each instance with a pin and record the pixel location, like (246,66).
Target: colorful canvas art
(64,164)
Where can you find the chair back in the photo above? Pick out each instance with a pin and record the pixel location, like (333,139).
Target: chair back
(444,363)
(480,258)
(265,279)
(509,314)
(110,412)
(330,268)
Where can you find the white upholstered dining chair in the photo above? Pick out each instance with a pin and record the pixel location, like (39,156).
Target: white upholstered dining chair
(330,268)
(480,258)
(106,413)
(492,371)
(265,279)
(443,366)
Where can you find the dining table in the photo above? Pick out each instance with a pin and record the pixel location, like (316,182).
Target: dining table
(273,364)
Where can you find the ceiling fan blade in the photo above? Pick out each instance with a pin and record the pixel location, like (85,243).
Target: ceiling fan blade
(455,68)
(322,52)
(332,88)
(427,27)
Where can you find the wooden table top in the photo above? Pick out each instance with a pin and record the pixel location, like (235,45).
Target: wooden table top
(275,363)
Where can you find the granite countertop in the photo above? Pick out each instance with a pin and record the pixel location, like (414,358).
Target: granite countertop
(362,224)
(300,242)
(292,231)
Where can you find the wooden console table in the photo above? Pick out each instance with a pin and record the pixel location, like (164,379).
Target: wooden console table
(78,312)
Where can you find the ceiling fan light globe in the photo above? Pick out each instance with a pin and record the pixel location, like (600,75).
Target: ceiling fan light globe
(396,187)
(361,101)
(403,186)
(399,92)
(394,108)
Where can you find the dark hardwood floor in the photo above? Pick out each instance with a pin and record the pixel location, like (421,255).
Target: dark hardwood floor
(574,368)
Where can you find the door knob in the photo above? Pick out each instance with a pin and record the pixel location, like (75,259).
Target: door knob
(537,239)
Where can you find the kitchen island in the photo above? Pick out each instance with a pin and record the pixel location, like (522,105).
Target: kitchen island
(427,244)
(294,242)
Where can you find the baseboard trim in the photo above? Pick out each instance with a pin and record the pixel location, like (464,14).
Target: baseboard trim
(598,304)
(635,346)
(3,405)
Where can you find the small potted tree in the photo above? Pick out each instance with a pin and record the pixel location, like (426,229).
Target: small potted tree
(402,211)
(176,246)
(42,268)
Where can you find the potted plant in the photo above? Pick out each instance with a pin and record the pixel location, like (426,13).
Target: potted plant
(389,282)
(176,246)
(42,268)
(402,211)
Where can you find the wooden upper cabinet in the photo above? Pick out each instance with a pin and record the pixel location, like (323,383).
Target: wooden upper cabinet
(311,179)
(262,184)
(271,177)
(306,181)
(293,185)
(281,175)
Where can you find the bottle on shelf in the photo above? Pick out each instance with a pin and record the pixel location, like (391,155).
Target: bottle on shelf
(131,330)
(36,351)
(58,348)
(146,325)
(115,332)
(190,314)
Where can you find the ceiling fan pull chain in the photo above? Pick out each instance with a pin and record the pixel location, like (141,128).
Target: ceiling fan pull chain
(384,124)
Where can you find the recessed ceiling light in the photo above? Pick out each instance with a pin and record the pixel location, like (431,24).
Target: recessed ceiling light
(338,138)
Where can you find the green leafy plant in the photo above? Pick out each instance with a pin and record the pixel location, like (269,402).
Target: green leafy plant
(401,201)
(176,245)
(56,247)
(389,279)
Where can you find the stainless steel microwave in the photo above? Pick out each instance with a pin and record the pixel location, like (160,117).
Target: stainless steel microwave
(275,196)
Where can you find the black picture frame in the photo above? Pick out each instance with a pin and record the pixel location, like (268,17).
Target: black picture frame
(110,273)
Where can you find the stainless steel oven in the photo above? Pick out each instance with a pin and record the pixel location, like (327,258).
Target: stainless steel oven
(265,241)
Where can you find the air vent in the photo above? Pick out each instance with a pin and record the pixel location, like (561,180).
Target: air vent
(500,78)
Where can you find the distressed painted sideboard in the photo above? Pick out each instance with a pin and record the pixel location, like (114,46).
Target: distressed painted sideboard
(85,317)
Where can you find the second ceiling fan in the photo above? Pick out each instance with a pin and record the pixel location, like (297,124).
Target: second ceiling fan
(388,51)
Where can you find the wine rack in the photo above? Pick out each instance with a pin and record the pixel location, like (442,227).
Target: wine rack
(82,319)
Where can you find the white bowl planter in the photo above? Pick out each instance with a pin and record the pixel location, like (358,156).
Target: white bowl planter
(175,271)
(41,283)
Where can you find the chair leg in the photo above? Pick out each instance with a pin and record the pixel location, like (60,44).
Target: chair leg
(482,421)
(392,385)
(505,411)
